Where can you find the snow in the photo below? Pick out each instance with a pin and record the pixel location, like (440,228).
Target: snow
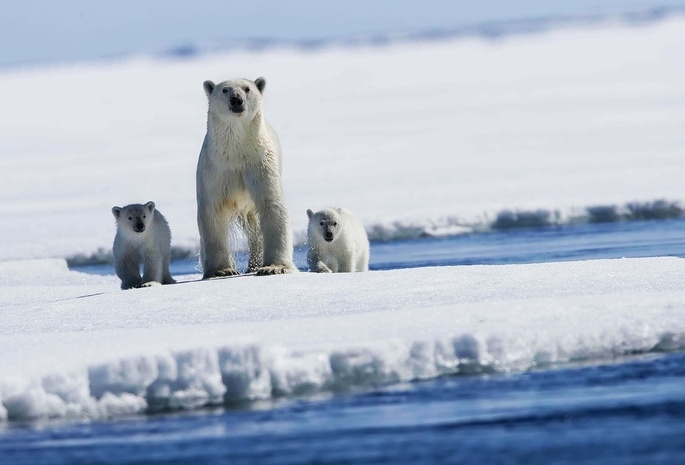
(76,347)
(427,135)
(449,132)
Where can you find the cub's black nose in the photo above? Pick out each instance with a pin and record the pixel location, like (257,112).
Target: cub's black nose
(235,101)
(328,236)
(139,227)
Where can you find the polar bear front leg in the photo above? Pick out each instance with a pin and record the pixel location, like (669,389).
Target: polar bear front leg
(152,270)
(321,267)
(277,238)
(363,262)
(126,267)
(346,263)
(255,242)
(316,264)
(217,260)
(265,189)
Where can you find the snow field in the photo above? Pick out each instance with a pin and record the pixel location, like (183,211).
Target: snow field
(243,339)
(435,136)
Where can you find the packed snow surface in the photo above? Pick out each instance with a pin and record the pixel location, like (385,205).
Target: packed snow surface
(73,345)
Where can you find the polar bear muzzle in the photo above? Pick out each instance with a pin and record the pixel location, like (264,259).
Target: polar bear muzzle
(236,104)
(236,101)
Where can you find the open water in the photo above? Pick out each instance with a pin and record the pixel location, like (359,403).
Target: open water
(627,411)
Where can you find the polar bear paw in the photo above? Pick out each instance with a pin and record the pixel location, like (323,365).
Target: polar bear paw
(151,284)
(275,269)
(221,273)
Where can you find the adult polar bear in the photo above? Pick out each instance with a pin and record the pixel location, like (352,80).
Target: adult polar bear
(239,177)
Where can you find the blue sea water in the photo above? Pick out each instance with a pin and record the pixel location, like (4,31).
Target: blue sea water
(524,245)
(625,411)
(629,412)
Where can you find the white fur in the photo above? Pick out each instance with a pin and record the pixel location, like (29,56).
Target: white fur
(348,251)
(239,177)
(150,248)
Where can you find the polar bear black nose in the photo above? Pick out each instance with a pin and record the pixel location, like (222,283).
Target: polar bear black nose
(139,227)
(235,101)
(328,236)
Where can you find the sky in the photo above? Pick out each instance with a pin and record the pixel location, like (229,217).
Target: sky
(34,31)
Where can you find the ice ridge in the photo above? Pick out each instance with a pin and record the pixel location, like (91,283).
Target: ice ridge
(241,374)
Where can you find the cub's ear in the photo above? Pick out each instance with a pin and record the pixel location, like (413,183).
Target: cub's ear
(260,82)
(150,206)
(310,213)
(116,211)
(209,87)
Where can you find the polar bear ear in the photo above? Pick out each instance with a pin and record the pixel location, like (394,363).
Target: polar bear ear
(150,206)
(209,87)
(310,213)
(116,211)
(260,82)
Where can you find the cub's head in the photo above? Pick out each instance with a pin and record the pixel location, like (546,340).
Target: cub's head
(134,217)
(235,99)
(325,223)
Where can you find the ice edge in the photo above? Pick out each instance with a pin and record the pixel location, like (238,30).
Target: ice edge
(241,374)
(508,219)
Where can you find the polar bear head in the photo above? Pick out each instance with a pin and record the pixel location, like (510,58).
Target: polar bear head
(325,223)
(135,217)
(234,99)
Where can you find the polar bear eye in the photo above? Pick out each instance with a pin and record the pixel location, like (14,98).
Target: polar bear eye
(225,90)
(335,224)
(144,216)
(130,218)
(246,89)
(321,222)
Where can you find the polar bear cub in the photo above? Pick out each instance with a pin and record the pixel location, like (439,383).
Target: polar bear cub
(238,179)
(142,238)
(337,242)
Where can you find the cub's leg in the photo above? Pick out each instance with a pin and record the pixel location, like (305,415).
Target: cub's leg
(127,268)
(321,267)
(153,270)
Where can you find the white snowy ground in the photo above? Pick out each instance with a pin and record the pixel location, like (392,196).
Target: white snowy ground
(74,346)
(408,133)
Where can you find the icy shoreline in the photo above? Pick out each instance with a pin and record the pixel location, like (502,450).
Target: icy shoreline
(455,226)
(80,348)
